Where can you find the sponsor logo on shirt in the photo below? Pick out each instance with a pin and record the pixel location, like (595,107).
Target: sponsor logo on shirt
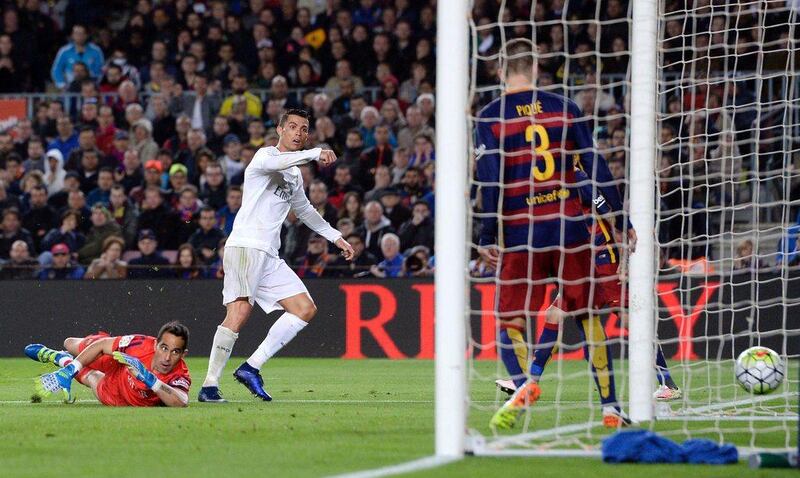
(284,192)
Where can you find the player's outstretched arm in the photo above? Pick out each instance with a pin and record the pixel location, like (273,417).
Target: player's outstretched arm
(170,396)
(95,350)
(310,217)
(268,161)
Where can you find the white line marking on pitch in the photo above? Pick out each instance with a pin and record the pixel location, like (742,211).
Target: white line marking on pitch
(407,467)
(344,402)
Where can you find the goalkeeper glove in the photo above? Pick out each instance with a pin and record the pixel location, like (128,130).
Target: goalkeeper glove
(60,380)
(137,369)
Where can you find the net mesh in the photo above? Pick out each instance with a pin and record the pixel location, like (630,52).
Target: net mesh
(727,219)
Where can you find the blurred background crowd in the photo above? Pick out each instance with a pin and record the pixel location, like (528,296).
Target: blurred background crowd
(143,116)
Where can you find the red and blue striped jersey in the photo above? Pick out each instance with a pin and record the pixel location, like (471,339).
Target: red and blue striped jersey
(529,143)
(596,209)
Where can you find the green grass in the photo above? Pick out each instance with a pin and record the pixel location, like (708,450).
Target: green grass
(329,416)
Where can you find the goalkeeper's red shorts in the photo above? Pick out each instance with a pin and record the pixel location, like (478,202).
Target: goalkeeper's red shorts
(105,364)
(607,287)
(524,277)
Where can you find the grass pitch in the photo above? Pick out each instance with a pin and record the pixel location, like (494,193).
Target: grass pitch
(329,416)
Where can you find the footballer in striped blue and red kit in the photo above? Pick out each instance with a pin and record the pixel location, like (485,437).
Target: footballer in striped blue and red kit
(529,144)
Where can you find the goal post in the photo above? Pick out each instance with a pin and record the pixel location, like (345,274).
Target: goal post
(451,227)
(642,207)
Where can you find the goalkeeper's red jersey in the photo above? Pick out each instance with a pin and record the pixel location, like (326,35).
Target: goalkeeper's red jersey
(529,143)
(119,387)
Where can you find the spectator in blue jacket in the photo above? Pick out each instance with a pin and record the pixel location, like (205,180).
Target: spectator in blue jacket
(227,214)
(77,50)
(62,267)
(392,263)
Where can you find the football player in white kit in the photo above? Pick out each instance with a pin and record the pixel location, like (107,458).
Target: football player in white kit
(253,271)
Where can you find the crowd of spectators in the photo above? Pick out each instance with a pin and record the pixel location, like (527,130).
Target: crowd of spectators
(138,173)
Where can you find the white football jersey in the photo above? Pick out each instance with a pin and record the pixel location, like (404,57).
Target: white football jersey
(272,185)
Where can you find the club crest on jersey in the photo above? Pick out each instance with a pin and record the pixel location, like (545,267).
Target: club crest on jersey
(125,340)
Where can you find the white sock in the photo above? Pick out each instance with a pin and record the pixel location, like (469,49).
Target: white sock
(281,333)
(220,353)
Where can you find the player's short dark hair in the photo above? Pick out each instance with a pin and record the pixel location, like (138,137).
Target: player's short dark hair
(177,329)
(234,187)
(519,56)
(292,112)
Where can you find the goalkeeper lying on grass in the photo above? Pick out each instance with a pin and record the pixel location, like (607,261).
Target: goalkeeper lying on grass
(130,370)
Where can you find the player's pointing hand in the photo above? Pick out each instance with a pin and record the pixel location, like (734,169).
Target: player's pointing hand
(327,157)
(347,249)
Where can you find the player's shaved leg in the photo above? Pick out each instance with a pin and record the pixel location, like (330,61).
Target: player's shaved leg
(301,306)
(237,313)
(91,379)
(72,345)
(225,337)
(300,309)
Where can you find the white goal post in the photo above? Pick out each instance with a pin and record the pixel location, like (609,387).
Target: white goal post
(451,227)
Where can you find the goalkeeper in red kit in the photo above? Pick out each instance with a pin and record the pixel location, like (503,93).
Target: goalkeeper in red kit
(533,227)
(129,370)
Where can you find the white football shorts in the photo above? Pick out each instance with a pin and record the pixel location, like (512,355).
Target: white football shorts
(261,278)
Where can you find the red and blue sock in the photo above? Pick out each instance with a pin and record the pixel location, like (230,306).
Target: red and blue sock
(544,349)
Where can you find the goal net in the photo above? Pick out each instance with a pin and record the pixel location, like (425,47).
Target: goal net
(726,219)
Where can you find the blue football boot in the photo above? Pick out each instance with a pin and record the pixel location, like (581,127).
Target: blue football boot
(210,395)
(43,354)
(250,378)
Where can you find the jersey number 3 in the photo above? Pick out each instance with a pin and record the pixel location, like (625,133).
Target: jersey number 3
(542,150)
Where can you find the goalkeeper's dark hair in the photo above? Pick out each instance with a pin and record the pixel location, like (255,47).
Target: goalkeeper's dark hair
(519,55)
(177,329)
(292,112)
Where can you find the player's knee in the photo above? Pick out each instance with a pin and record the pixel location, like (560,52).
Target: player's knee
(307,310)
(71,345)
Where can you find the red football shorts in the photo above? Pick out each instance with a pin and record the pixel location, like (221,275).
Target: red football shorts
(607,288)
(106,364)
(524,277)
(103,364)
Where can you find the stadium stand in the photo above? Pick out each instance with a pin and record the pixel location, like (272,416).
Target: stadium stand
(164,95)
